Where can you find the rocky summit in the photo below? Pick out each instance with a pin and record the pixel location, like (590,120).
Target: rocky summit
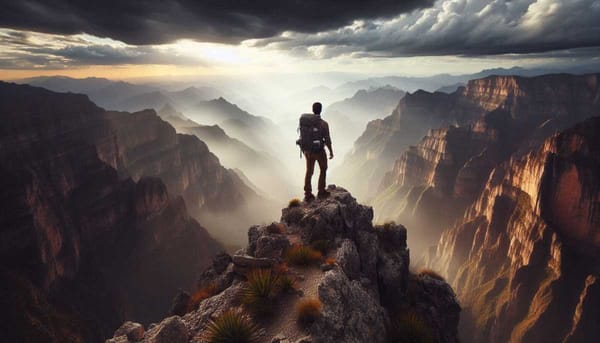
(357,273)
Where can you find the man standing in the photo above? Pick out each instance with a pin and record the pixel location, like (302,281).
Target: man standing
(314,137)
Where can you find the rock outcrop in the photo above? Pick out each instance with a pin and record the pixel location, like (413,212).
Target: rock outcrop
(94,214)
(362,294)
(524,260)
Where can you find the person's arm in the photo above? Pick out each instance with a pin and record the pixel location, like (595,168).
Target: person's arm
(328,139)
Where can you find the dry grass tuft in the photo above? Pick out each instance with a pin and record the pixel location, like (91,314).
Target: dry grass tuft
(260,290)
(431,273)
(276,228)
(232,327)
(330,261)
(301,255)
(295,202)
(287,283)
(308,310)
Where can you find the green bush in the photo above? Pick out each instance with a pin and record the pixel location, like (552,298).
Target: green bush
(260,290)
(232,327)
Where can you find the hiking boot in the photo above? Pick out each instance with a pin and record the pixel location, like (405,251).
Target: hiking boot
(309,197)
(323,194)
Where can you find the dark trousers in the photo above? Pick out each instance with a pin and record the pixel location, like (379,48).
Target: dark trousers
(311,158)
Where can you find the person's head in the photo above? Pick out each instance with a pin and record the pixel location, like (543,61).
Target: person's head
(317,108)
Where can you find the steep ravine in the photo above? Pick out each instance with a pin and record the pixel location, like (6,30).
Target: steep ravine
(525,259)
(431,183)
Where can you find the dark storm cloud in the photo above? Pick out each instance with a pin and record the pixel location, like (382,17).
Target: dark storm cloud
(154,21)
(462,27)
(21,51)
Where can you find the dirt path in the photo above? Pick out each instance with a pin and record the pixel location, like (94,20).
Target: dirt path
(283,321)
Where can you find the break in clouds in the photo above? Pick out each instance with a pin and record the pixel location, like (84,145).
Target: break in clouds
(305,28)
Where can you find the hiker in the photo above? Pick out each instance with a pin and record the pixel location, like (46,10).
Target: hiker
(314,137)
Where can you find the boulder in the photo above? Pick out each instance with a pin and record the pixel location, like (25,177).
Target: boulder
(271,246)
(170,330)
(119,339)
(245,263)
(133,331)
(350,314)
(348,259)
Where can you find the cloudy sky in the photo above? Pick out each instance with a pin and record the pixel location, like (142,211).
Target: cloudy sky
(120,39)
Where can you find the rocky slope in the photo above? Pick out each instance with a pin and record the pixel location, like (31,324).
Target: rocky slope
(94,206)
(362,293)
(431,183)
(525,259)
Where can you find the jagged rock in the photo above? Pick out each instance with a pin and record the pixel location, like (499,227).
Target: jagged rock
(220,274)
(220,262)
(271,246)
(180,304)
(348,259)
(305,339)
(338,215)
(280,339)
(170,330)
(133,331)
(350,314)
(361,291)
(326,267)
(245,263)
(119,339)
(437,304)
(392,263)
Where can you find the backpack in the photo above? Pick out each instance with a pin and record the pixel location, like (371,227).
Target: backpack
(311,133)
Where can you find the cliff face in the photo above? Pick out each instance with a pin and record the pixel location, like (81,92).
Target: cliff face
(525,257)
(431,183)
(384,140)
(363,292)
(86,225)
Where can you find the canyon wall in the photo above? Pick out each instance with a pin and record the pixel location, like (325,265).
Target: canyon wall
(94,214)
(524,260)
(431,183)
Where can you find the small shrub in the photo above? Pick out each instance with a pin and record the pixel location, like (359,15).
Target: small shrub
(276,228)
(201,294)
(232,327)
(260,290)
(330,261)
(287,283)
(295,202)
(301,255)
(431,273)
(410,328)
(307,310)
(321,245)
